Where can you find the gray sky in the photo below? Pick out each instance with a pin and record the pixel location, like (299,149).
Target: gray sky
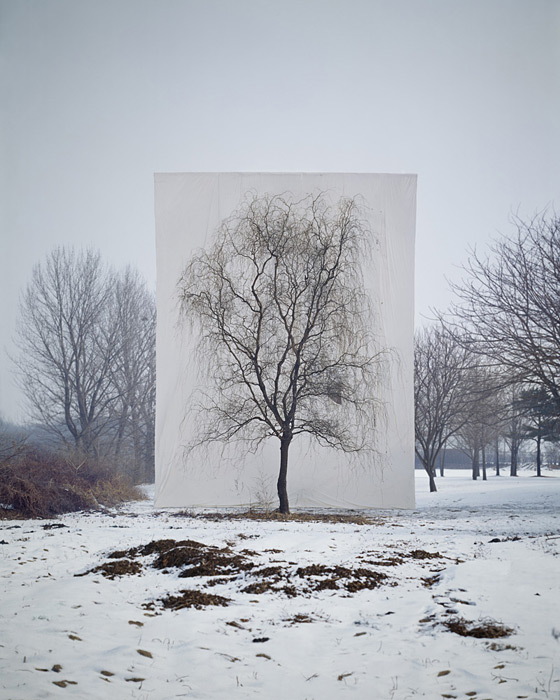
(97,95)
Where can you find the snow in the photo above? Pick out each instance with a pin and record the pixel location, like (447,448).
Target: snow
(387,643)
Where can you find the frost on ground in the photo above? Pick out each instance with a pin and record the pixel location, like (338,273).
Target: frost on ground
(457,599)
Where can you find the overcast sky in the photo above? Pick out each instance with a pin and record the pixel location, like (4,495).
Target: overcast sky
(97,95)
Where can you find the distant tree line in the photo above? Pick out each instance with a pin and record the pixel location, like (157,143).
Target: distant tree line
(487,373)
(86,361)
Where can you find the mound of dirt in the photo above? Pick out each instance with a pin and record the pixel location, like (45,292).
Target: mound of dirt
(224,565)
(483,629)
(189,598)
(111,569)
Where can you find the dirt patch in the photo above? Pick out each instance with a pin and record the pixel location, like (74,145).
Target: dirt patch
(259,587)
(298,619)
(320,577)
(194,558)
(297,516)
(496,646)
(387,561)
(226,566)
(482,629)
(430,581)
(422,554)
(189,598)
(112,569)
(273,579)
(270,573)
(156,547)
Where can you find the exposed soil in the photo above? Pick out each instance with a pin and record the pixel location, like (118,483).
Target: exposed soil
(322,577)
(483,629)
(299,618)
(111,569)
(216,566)
(259,587)
(189,598)
(297,516)
(422,554)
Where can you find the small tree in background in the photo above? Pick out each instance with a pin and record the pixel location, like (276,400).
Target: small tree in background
(484,418)
(441,393)
(284,326)
(513,429)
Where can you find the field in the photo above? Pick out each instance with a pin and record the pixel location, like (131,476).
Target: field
(459,598)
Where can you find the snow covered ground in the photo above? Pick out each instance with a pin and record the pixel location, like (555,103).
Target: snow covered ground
(90,636)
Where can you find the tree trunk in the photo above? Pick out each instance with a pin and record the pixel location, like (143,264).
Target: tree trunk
(484,475)
(497,457)
(539,458)
(442,461)
(431,471)
(514,452)
(282,481)
(475,463)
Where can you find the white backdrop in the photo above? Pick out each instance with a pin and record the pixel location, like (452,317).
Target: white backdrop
(188,209)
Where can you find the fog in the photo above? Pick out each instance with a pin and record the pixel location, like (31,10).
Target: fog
(97,96)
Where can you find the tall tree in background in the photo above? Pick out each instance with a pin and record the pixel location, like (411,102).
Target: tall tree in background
(133,374)
(284,324)
(441,395)
(84,347)
(508,305)
(68,340)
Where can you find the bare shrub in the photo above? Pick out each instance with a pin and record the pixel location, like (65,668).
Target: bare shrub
(40,484)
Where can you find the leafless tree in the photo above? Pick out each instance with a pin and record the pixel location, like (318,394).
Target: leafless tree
(284,325)
(508,305)
(485,417)
(133,373)
(86,341)
(441,397)
(513,430)
(68,342)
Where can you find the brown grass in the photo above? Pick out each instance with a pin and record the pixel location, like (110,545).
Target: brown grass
(40,484)
(483,629)
(190,599)
(214,566)
(275,516)
(112,569)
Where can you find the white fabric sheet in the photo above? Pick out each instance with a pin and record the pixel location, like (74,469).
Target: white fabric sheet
(188,209)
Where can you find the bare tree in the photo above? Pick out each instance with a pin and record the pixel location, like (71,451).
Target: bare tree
(485,416)
(513,433)
(86,337)
(133,373)
(284,325)
(441,396)
(508,305)
(68,341)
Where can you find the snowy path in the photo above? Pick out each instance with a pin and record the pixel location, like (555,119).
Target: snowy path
(386,643)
